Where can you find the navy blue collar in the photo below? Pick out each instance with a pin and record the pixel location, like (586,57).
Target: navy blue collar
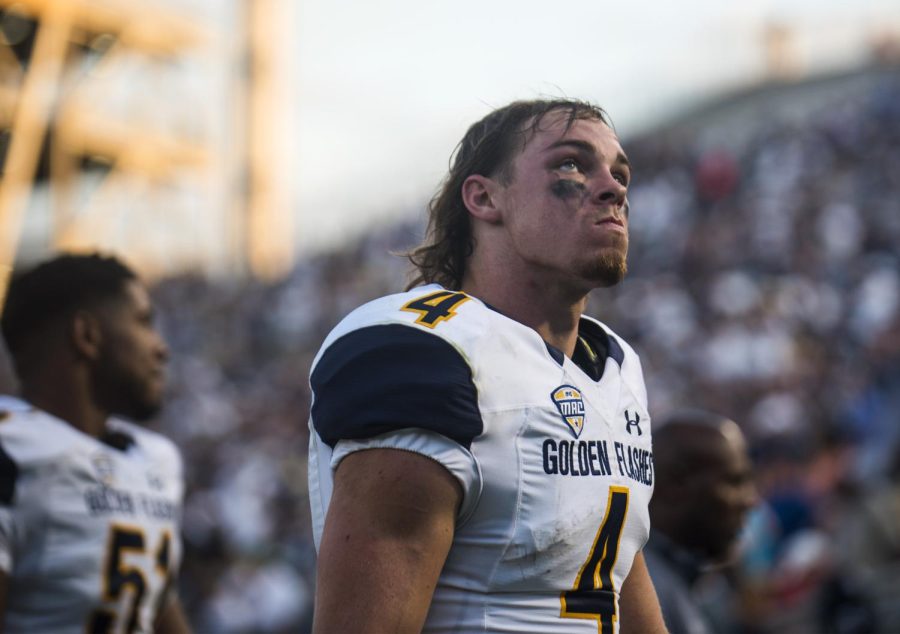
(593,348)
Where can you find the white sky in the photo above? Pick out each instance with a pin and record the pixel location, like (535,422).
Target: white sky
(373,96)
(385,89)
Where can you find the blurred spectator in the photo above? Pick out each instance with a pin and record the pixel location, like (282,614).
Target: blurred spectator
(703,491)
(869,547)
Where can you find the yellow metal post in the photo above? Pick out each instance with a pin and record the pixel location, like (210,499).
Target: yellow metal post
(269,217)
(30,122)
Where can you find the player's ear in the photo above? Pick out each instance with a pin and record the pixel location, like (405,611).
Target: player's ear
(480,196)
(86,334)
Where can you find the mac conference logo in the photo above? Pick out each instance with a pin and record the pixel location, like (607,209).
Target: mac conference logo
(571,407)
(104,468)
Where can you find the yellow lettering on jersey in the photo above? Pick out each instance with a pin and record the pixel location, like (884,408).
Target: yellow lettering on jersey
(593,594)
(118,575)
(436,307)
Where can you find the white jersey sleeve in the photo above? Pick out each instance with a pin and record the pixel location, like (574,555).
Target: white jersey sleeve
(554,455)
(8,477)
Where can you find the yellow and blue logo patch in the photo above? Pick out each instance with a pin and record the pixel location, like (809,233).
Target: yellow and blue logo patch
(568,401)
(104,468)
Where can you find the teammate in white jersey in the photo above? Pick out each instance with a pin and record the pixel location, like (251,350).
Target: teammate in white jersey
(480,455)
(90,505)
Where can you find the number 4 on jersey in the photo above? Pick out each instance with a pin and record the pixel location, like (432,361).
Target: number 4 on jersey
(593,594)
(435,307)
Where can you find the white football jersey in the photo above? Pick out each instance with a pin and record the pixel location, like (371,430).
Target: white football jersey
(89,533)
(553,455)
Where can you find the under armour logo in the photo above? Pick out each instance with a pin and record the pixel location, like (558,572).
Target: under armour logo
(636,423)
(155,482)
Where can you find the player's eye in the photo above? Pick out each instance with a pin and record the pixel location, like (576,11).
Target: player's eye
(621,177)
(569,165)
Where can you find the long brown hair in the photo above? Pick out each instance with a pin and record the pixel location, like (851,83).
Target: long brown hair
(488,149)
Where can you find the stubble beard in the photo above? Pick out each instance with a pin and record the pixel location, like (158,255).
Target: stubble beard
(608,269)
(124,393)
(134,401)
(142,410)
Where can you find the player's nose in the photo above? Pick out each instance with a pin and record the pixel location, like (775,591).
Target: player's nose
(161,349)
(608,190)
(749,496)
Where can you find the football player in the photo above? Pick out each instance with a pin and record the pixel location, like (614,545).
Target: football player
(89,504)
(480,453)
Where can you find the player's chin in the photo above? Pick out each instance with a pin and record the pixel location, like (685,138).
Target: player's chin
(608,269)
(145,410)
(722,551)
(147,405)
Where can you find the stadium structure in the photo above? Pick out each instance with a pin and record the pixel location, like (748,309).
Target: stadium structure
(110,136)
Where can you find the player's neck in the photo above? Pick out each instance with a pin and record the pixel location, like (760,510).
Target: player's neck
(547,309)
(67,403)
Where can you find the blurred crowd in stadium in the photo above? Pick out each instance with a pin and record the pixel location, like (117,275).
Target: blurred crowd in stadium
(764,284)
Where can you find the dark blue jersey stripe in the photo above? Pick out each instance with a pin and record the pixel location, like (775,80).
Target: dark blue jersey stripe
(384,378)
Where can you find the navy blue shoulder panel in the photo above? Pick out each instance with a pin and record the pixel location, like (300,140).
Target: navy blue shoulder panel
(384,378)
(9,472)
